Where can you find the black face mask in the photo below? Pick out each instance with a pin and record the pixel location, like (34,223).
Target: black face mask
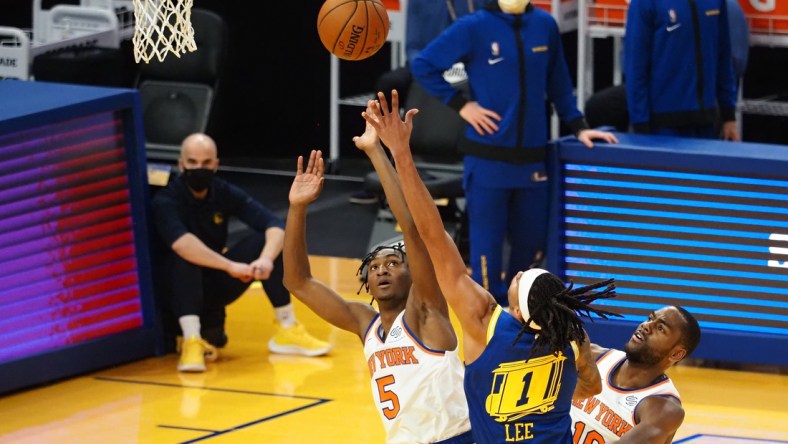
(198,179)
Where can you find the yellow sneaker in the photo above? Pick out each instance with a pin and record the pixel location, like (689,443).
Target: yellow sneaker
(211,351)
(296,341)
(194,352)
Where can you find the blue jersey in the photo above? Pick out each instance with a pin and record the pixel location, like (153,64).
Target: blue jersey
(514,400)
(678,65)
(514,63)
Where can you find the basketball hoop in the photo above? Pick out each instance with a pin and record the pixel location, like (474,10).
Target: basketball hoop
(162,26)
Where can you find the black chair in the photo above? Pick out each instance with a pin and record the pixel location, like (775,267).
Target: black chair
(178,93)
(437,130)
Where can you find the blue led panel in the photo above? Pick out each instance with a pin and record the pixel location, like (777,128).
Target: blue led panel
(68,268)
(702,224)
(75,291)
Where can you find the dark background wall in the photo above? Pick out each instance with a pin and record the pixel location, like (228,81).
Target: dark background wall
(274,97)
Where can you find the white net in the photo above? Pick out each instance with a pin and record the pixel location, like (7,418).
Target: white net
(161,27)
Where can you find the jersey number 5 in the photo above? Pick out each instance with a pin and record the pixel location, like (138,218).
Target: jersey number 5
(387,395)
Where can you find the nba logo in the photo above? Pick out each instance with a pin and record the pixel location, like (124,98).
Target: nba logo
(672,15)
(495,49)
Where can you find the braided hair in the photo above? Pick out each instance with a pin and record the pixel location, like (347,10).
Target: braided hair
(363,270)
(554,311)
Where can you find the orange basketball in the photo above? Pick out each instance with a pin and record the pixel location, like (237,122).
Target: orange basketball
(353,29)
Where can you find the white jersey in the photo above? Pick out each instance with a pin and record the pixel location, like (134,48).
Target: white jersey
(604,418)
(418,392)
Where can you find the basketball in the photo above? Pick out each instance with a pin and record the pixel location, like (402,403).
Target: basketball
(353,29)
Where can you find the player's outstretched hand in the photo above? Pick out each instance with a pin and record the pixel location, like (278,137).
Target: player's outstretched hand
(369,140)
(392,130)
(308,182)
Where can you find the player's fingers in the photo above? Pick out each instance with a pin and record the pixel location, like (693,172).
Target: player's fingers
(478,128)
(311,163)
(384,104)
(394,99)
(372,105)
(487,125)
(300,165)
(409,116)
(367,116)
(377,114)
(370,119)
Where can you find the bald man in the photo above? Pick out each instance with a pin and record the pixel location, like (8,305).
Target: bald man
(202,274)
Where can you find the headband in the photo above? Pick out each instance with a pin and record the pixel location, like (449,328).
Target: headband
(524,288)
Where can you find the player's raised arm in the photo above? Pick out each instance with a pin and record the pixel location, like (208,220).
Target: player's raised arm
(328,304)
(472,304)
(427,312)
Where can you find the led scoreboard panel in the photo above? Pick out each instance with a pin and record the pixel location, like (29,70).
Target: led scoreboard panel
(697,223)
(75,291)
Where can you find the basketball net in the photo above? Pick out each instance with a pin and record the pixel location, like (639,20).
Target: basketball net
(160,27)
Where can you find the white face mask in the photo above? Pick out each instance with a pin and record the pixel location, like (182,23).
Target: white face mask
(513,6)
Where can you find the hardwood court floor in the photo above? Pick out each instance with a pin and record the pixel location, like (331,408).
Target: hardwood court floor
(251,396)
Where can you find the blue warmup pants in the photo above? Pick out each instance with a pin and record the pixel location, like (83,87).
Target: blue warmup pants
(498,215)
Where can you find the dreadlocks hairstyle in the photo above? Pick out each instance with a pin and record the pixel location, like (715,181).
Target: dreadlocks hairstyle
(554,310)
(363,270)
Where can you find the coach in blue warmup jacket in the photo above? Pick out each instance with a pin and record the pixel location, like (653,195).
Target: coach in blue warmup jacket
(514,60)
(678,68)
